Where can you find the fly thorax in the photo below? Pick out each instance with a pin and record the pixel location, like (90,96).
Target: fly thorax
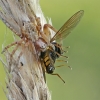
(58,49)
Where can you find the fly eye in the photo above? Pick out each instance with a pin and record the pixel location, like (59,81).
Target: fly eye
(50,68)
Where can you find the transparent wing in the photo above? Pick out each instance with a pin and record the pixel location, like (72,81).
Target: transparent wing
(64,31)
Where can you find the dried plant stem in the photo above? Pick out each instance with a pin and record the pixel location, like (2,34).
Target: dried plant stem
(25,80)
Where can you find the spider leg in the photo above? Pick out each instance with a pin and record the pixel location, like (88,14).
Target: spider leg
(40,32)
(10,45)
(14,50)
(46,30)
(49,26)
(10,27)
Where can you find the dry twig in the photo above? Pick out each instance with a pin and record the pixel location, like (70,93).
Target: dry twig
(25,79)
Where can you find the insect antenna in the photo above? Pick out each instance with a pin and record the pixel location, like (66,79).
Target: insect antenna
(58,76)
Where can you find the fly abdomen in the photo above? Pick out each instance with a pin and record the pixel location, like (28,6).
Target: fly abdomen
(46,61)
(48,58)
(49,67)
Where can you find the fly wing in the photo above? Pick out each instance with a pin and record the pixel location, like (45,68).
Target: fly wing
(64,31)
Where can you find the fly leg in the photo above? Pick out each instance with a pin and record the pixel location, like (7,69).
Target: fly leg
(64,65)
(58,76)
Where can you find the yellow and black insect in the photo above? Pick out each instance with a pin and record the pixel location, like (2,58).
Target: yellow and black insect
(49,56)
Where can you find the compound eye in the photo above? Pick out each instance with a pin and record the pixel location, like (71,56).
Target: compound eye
(50,69)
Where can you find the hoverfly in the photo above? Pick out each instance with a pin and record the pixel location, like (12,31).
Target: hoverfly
(49,56)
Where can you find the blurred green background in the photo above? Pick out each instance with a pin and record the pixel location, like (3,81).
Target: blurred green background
(83,81)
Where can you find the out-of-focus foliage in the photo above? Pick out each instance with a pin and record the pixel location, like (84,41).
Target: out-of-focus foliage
(83,82)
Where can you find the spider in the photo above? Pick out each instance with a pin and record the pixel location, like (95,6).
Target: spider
(40,43)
